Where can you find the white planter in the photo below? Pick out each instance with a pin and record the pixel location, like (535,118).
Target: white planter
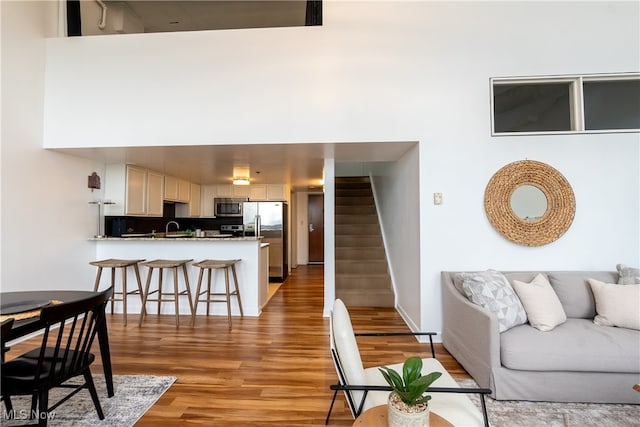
(399,418)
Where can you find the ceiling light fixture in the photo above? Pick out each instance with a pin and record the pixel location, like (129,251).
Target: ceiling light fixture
(241,180)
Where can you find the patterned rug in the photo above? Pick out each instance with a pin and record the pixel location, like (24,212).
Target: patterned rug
(134,395)
(513,413)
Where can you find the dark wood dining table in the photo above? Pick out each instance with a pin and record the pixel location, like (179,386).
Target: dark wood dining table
(24,327)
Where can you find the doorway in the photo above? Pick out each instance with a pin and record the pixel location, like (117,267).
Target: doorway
(316,228)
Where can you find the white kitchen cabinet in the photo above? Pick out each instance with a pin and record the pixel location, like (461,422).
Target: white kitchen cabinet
(240,190)
(277,192)
(230,190)
(155,193)
(224,190)
(184,191)
(270,192)
(171,188)
(208,193)
(136,191)
(258,192)
(128,187)
(193,206)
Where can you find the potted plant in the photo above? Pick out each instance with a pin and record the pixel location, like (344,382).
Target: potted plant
(408,404)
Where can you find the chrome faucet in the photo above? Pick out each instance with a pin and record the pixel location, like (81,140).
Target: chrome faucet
(166,229)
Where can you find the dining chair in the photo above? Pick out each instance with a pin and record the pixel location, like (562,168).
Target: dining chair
(6,326)
(365,388)
(65,353)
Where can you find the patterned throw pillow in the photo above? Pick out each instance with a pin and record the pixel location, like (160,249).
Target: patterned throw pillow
(491,290)
(628,275)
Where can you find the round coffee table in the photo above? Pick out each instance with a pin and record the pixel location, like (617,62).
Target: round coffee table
(377,417)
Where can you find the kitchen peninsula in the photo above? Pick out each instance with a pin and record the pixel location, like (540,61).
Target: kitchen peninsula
(253,270)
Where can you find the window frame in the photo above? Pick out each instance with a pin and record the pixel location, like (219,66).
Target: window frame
(576,100)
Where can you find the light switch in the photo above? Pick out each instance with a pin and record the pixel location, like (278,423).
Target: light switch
(437,198)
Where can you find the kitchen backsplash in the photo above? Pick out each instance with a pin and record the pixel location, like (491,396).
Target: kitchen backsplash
(117,225)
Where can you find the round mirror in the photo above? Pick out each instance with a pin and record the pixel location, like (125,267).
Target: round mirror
(528,202)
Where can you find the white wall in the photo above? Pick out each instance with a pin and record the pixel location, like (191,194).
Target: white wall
(46,218)
(396,188)
(379,71)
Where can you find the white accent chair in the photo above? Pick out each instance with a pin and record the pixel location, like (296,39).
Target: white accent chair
(365,388)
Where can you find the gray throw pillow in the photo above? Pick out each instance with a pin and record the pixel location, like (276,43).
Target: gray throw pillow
(491,290)
(628,275)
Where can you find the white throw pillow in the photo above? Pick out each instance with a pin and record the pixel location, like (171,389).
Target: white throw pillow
(491,290)
(616,305)
(541,303)
(628,275)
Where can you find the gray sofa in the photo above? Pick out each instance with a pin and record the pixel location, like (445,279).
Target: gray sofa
(577,361)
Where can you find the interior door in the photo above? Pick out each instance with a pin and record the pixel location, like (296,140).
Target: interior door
(316,228)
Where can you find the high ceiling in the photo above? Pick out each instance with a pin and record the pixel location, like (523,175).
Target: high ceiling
(300,165)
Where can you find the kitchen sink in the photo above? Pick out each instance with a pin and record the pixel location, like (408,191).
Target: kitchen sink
(178,234)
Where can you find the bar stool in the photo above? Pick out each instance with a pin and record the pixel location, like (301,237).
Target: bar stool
(210,265)
(122,264)
(161,264)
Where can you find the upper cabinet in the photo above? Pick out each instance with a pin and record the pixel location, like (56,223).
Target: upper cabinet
(278,192)
(176,189)
(184,191)
(230,190)
(170,188)
(193,207)
(254,192)
(269,192)
(135,191)
(258,192)
(155,192)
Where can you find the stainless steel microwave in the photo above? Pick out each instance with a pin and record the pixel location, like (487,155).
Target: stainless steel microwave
(228,206)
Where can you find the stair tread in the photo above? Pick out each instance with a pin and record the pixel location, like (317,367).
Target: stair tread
(362,275)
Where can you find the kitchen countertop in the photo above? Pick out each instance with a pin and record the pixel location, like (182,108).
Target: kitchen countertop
(182,239)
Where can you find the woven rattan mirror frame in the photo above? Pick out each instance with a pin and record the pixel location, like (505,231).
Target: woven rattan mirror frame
(561,203)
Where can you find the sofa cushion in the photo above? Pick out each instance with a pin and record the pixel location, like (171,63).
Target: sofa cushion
(491,290)
(576,345)
(540,302)
(574,291)
(628,275)
(616,305)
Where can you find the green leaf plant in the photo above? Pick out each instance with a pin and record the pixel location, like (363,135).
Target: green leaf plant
(412,385)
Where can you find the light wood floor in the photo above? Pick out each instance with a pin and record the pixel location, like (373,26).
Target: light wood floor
(271,370)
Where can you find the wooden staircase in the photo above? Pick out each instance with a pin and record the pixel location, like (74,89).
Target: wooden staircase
(362,275)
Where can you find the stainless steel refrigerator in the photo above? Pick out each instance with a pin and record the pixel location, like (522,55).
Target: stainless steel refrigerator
(270,220)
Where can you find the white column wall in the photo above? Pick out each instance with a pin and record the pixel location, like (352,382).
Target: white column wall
(396,187)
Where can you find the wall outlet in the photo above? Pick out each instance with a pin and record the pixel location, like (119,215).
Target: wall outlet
(437,198)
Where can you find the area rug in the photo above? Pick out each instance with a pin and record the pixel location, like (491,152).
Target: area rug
(134,395)
(513,413)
